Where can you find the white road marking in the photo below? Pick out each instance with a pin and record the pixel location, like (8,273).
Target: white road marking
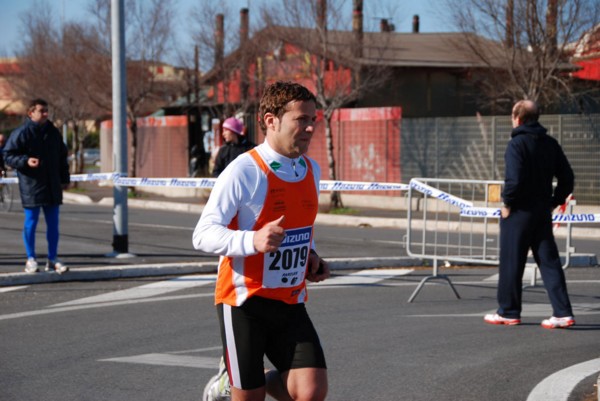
(100,305)
(186,361)
(382,241)
(529,310)
(560,385)
(174,358)
(545,310)
(363,277)
(369,276)
(189,351)
(8,289)
(379,241)
(527,274)
(148,290)
(134,224)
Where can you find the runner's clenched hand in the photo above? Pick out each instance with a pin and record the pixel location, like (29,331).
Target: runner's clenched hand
(270,236)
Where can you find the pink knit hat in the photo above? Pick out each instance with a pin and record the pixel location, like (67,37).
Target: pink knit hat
(235,125)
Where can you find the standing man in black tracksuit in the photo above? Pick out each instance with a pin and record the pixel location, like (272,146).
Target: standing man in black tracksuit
(532,160)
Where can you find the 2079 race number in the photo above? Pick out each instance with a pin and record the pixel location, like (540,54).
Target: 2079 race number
(287,259)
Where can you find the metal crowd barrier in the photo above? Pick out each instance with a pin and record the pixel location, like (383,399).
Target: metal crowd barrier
(458,221)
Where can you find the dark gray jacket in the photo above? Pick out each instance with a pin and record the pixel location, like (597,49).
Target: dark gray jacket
(42,185)
(533,158)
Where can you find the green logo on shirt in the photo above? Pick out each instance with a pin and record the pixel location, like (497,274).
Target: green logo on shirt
(275,166)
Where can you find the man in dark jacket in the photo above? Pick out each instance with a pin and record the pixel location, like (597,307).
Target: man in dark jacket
(532,160)
(236,143)
(37,152)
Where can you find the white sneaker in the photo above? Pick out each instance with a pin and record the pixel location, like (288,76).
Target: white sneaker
(57,266)
(218,388)
(494,318)
(31,266)
(558,322)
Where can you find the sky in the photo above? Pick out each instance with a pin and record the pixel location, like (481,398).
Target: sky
(398,12)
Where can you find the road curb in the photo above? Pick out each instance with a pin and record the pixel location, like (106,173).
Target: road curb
(72,197)
(110,272)
(168,269)
(107,273)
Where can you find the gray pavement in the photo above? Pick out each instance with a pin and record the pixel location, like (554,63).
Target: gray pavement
(99,267)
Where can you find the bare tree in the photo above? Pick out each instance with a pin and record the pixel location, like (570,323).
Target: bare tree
(148,37)
(71,66)
(53,63)
(225,51)
(342,66)
(524,45)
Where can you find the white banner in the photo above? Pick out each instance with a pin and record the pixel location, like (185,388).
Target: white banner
(165,182)
(556,218)
(361,186)
(210,182)
(441,195)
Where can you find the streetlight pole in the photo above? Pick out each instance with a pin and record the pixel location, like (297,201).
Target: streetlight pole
(119,97)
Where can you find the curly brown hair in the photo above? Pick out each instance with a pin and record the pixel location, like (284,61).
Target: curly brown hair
(277,96)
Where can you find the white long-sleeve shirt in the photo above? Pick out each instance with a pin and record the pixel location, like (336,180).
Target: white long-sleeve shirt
(241,190)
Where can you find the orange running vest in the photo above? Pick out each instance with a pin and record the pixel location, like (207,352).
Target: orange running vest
(276,275)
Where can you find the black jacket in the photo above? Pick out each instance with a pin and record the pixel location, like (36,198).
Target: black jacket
(2,165)
(42,185)
(532,160)
(228,152)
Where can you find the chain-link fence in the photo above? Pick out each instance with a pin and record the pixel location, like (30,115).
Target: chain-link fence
(473,148)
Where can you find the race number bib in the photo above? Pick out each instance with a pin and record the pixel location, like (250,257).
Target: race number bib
(286,267)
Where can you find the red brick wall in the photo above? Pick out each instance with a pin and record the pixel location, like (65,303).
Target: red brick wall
(366,145)
(162,149)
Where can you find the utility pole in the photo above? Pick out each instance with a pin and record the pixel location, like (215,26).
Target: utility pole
(119,98)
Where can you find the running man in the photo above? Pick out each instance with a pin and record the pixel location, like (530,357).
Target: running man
(259,219)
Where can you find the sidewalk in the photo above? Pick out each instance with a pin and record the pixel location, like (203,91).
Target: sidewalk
(99,267)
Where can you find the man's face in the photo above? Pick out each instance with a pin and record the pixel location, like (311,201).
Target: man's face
(291,134)
(39,114)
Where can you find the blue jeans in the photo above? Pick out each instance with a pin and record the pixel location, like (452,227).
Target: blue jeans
(32,216)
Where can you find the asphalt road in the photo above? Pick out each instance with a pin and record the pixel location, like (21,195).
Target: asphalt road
(162,236)
(153,339)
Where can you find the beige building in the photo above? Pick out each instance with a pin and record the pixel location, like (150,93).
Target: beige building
(9,73)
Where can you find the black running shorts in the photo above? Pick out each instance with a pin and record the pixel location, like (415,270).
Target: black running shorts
(282,332)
